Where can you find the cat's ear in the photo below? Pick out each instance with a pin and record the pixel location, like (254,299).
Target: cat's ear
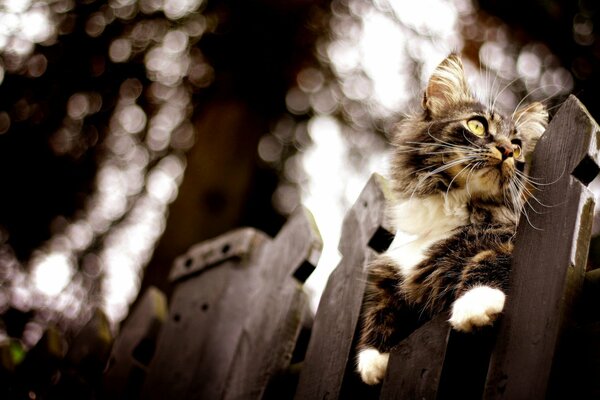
(447,86)
(531,122)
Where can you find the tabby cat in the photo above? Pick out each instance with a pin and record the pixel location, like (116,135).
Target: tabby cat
(459,175)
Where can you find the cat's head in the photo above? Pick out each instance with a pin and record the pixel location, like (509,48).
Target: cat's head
(459,144)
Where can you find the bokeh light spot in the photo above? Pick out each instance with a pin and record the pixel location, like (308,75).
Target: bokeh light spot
(95,25)
(310,80)
(35,24)
(4,122)
(132,118)
(78,106)
(297,101)
(175,41)
(176,9)
(529,65)
(269,148)
(120,50)
(52,273)
(36,66)
(16,6)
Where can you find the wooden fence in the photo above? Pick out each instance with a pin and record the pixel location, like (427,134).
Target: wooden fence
(238,322)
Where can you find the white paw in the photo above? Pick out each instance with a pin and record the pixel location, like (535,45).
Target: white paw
(477,307)
(372,365)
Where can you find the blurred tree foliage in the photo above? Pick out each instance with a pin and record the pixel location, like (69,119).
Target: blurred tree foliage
(100,117)
(77,111)
(568,27)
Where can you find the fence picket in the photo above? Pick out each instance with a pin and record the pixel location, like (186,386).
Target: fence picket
(197,313)
(549,257)
(275,308)
(235,313)
(134,347)
(329,356)
(415,365)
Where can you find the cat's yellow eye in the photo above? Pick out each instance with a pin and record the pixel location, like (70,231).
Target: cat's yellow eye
(516,150)
(476,127)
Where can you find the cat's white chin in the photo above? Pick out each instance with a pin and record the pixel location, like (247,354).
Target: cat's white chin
(477,307)
(372,365)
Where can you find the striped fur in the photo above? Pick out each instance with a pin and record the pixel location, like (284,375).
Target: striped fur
(459,196)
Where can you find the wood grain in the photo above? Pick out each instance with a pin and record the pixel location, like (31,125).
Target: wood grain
(235,314)
(415,366)
(329,356)
(549,257)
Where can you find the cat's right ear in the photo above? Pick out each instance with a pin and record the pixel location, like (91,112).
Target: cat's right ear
(531,122)
(447,86)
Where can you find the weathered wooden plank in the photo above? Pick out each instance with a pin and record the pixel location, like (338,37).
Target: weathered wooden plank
(235,313)
(549,257)
(231,245)
(133,349)
(259,360)
(415,365)
(574,373)
(328,363)
(276,307)
(197,306)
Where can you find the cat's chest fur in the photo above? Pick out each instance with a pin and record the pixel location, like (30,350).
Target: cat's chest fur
(421,222)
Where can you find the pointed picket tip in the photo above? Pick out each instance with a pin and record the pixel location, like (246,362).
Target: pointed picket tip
(134,347)
(549,258)
(301,240)
(571,144)
(369,215)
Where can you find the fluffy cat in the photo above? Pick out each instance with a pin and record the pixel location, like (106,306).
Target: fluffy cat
(459,175)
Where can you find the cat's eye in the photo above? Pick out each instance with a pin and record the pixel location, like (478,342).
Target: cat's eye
(516,151)
(476,127)
(516,145)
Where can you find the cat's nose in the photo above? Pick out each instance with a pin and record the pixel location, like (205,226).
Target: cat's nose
(505,150)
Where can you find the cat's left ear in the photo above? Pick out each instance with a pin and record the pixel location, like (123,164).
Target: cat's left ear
(447,87)
(531,122)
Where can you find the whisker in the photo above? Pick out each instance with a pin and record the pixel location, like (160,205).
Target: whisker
(557,105)
(453,179)
(474,144)
(449,165)
(533,180)
(529,194)
(516,123)
(443,167)
(475,165)
(437,170)
(492,89)
(441,143)
(446,143)
(522,210)
(500,92)
(446,149)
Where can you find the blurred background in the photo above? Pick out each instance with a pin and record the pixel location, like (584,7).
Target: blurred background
(132,129)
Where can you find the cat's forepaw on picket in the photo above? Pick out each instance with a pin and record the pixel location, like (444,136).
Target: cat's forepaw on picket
(372,365)
(478,306)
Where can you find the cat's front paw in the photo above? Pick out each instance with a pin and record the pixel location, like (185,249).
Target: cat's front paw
(477,307)
(372,365)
